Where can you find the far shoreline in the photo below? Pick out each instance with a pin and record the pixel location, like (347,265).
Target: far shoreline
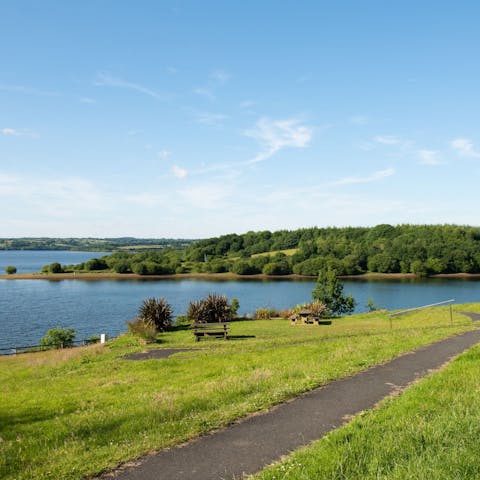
(221,276)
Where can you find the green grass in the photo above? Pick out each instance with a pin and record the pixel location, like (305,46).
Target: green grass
(431,431)
(72,413)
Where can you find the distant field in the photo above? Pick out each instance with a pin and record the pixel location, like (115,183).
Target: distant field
(287,252)
(72,413)
(430,431)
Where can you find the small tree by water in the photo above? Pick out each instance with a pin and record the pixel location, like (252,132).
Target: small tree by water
(58,338)
(10,270)
(329,291)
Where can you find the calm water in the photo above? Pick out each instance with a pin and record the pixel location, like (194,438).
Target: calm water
(28,261)
(28,308)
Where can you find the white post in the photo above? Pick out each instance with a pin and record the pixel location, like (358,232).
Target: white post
(102,338)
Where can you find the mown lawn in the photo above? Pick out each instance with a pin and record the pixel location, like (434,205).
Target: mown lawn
(431,431)
(72,413)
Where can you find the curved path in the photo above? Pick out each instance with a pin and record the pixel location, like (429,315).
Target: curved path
(249,445)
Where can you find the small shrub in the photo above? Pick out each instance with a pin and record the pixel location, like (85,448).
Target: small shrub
(10,270)
(145,330)
(58,338)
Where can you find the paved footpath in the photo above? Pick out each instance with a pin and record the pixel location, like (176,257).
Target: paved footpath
(248,446)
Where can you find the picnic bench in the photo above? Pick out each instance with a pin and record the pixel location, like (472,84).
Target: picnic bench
(217,329)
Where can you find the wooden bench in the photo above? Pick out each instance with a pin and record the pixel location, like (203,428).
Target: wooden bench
(218,329)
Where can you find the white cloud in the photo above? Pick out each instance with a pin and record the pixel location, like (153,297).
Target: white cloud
(209,118)
(179,172)
(275,135)
(106,80)
(374,177)
(13,132)
(387,140)
(164,154)
(428,157)
(358,120)
(172,70)
(247,104)
(464,147)
(87,100)
(28,90)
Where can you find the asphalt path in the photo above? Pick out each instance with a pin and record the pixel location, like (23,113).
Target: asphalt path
(249,445)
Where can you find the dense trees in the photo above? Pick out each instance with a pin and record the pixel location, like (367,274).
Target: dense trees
(420,249)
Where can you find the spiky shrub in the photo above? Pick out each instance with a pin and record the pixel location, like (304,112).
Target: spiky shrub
(213,308)
(146,331)
(157,312)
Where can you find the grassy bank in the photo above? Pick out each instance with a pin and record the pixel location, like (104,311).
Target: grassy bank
(72,413)
(430,431)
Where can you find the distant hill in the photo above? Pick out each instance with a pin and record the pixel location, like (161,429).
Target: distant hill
(91,244)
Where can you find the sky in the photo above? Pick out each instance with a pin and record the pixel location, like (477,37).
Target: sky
(189,119)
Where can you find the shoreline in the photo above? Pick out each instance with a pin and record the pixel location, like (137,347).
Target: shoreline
(221,276)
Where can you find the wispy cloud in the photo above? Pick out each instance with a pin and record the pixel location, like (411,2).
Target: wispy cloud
(464,148)
(205,92)
(164,154)
(358,120)
(28,90)
(104,79)
(387,140)
(275,135)
(429,157)
(217,78)
(374,177)
(14,132)
(179,172)
(87,100)
(207,195)
(209,118)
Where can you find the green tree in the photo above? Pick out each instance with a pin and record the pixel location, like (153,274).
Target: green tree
(156,312)
(10,270)
(329,291)
(55,267)
(58,338)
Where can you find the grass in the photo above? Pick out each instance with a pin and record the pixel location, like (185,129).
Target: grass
(430,431)
(73,413)
(288,252)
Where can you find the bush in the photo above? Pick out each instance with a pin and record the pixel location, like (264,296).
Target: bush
(145,330)
(10,270)
(157,312)
(316,307)
(213,308)
(58,338)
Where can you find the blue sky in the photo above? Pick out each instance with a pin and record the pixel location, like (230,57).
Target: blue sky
(193,119)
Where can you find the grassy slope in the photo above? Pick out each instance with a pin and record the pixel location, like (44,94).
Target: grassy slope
(73,413)
(430,431)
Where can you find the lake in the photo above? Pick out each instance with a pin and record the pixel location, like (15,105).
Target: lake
(28,308)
